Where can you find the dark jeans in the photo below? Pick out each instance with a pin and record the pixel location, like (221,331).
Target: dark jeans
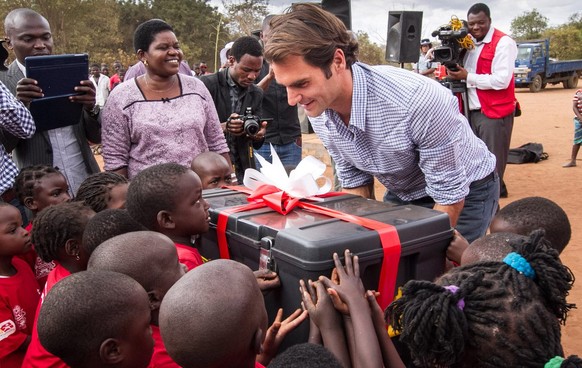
(480,206)
(289,154)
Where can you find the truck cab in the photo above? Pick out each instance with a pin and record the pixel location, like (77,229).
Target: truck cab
(535,69)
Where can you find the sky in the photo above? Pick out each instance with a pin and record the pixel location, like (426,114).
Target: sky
(371,16)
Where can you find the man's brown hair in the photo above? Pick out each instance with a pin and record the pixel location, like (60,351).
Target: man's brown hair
(309,31)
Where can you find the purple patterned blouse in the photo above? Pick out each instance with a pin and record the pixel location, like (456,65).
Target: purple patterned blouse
(138,133)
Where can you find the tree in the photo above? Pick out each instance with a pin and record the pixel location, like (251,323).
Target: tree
(369,52)
(245,16)
(565,42)
(529,25)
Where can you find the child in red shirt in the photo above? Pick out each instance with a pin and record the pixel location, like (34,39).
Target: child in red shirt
(151,259)
(19,293)
(116,332)
(58,233)
(167,198)
(38,187)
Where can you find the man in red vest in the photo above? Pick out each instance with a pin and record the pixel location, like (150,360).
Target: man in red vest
(488,71)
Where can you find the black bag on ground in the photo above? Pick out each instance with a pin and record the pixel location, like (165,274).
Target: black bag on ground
(529,152)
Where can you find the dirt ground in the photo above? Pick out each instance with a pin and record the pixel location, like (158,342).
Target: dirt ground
(547,119)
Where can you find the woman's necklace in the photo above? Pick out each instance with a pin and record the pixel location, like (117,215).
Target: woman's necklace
(157,90)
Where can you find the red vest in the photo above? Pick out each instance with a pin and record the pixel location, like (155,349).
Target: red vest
(495,104)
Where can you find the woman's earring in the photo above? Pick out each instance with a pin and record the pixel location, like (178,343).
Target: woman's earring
(77,257)
(145,62)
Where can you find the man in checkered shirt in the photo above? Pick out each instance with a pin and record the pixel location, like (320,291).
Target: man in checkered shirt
(383,122)
(16,120)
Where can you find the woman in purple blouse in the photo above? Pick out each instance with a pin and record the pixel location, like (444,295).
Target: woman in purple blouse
(161,116)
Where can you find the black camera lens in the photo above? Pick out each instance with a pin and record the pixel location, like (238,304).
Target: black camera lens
(251,127)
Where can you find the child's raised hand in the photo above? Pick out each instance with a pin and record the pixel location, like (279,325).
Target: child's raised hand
(337,301)
(267,280)
(350,289)
(277,332)
(321,310)
(456,247)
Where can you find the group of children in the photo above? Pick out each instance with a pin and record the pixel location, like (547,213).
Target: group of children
(113,278)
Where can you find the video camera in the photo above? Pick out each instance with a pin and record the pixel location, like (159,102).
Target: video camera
(449,53)
(252,123)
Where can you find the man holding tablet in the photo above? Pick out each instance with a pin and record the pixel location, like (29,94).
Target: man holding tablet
(28,34)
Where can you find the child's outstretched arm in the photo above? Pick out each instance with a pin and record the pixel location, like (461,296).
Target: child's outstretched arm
(277,332)
(456,248)
(352,292)
(389,354)
(324,315)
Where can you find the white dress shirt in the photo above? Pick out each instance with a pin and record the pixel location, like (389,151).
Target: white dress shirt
(101,89)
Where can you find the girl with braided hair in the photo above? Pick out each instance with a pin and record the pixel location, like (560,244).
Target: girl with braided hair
(490,314)
(58,237)
(38,187)
(103,190)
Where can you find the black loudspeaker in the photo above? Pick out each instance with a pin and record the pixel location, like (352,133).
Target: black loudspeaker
(403,41)
(341,9)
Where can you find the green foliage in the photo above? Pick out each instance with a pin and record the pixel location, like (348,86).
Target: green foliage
(369,52)
(565,42)
(529,25)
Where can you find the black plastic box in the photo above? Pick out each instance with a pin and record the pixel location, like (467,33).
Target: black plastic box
(300,245)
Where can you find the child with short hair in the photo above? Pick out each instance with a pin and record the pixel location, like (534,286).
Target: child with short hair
(58,236)
(489,314)
(491,247)
(38,187)
(167,198)
(201,329)
(522,217)
(103,190)
(97,319)
(213,170)
(151,259)
(19,291)
(106,225)
(577,107)
(531,213)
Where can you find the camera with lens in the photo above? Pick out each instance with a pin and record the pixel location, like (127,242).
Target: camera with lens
(450,51)
(251,123)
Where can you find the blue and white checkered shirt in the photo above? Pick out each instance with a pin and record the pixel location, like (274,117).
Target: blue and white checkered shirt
(16,120)
(407,131)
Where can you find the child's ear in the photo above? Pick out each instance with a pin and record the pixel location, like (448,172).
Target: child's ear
(165,220)
(258,341)
(155,299)
(72,247)
(30,203)
(110,352)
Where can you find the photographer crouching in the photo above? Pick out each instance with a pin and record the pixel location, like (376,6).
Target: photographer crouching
(488,73)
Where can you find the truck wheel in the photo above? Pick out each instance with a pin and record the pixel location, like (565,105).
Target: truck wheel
(571,82)
(536,84)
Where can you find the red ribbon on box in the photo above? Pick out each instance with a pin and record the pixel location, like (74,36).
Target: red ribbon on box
(271,196)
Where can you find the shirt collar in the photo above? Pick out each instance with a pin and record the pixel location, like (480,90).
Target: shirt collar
(21,67)
(359,95)
(488,37)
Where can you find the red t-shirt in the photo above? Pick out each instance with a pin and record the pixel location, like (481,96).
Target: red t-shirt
(19,296)
(40,268)
(37,356)
(189,256)
(160,358)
